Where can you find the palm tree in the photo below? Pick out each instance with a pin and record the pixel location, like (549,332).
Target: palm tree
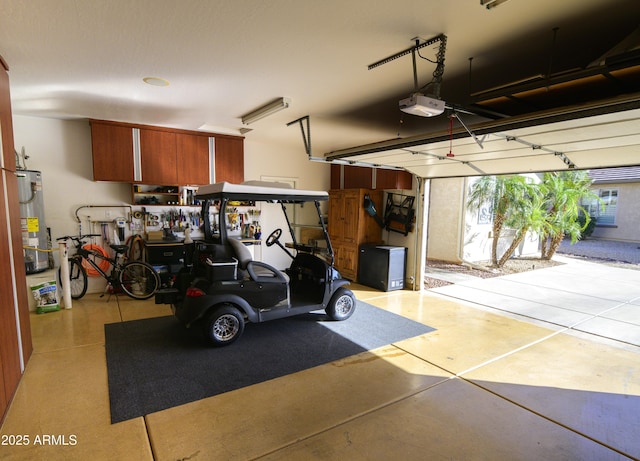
(528,214)
(504,195)
(564,190)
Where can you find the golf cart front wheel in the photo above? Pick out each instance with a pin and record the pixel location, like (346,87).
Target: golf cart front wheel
(224,326)
(342,304)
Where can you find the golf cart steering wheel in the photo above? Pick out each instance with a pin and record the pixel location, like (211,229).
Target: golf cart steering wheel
(273,237)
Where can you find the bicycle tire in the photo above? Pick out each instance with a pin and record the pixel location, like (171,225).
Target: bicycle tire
(77,278)
(139,280)
(136,248)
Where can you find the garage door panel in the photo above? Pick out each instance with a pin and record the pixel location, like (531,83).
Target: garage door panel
(599,141)
(603,143)
(618,156)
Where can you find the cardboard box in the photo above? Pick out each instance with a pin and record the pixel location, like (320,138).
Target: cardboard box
(155,235)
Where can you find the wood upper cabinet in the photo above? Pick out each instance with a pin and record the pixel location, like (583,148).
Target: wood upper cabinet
(393,179)
(145,154)
(169,158)
(112,147)
(229,164)
(353,177)
(336,172)
(356,177)
(192,156)
(158,157)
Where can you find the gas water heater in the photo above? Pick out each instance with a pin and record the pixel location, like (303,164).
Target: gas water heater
(34,230)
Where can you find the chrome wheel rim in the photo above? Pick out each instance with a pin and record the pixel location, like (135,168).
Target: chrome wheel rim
(225,327)
(344,304)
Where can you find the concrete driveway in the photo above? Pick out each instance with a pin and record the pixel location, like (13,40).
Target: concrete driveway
(577,297)
(604,250)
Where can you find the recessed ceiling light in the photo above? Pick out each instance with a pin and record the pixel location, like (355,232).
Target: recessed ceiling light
(155,81)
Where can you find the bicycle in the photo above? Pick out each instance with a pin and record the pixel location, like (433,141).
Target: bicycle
(137,279)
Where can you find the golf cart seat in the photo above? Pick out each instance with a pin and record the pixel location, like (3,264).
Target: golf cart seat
(258,271)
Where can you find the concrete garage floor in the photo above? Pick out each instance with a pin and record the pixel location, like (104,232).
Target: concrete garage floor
(486,385)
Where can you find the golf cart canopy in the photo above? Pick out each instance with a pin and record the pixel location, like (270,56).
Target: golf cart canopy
(259,191)
(256,191)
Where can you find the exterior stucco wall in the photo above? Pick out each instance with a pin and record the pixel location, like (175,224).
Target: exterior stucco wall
(627,223)
(446,202)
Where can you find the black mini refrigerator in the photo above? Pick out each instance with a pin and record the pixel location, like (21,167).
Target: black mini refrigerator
(382,267)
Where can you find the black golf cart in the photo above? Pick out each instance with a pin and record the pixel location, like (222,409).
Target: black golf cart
(221,287)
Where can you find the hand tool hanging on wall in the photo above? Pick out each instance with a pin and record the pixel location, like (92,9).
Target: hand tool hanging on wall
(370,207)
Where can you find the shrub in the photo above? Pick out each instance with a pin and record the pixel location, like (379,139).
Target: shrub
(587,229)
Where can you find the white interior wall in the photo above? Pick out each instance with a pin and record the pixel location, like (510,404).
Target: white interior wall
(61,150)
(407,241)
(266,159)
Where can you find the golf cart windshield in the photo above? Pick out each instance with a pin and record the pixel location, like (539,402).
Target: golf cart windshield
(225,194)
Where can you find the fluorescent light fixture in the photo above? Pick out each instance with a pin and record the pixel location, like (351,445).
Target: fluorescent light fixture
(222,129)
(266,110)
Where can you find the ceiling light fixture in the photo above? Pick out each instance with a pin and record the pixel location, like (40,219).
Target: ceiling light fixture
(155,81)
(266,110)
(491,3)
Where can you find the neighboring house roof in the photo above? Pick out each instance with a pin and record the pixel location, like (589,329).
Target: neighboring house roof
(615,175)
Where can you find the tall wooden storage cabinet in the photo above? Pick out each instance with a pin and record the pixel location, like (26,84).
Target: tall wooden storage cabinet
(350,226)
(15,330)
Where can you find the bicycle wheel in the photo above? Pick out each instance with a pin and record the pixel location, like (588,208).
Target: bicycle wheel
(139,280)
(77,278)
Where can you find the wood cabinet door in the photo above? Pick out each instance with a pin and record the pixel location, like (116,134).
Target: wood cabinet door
(14,334)
(9,353)
(346,262)
(358,177)
(336,216)
(351,217)
(229,160)
(192,156)
(158,157)
(349,262)
(393,179)
(336,173)
(405,180)
(112,147)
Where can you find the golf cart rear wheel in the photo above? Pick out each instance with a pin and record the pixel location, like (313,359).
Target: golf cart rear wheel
(223,326)
(342,304)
